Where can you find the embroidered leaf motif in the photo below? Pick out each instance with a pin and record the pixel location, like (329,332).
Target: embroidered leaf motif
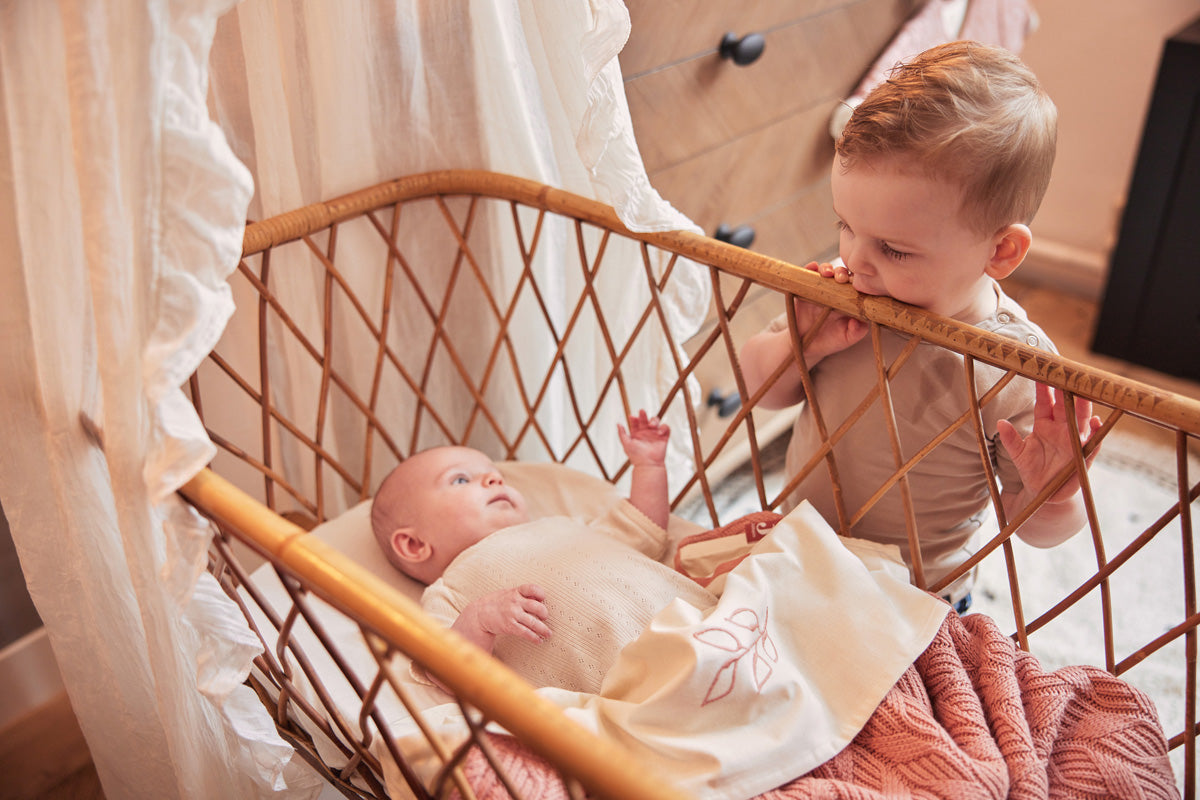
(722,682)
(762,671)
(745,618)
(719,638)
(760,648)
(767,645)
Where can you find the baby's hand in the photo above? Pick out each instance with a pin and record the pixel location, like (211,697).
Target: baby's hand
(838,331)
(514,612)
(1048,447)
(645,443)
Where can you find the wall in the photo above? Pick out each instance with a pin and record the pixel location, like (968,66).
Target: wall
(17,614)
(1098,59)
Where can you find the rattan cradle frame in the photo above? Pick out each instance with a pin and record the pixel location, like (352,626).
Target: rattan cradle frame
(393,623)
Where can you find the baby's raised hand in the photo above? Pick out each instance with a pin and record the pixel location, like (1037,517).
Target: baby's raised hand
(517,612)
(645,442)
(1048,447)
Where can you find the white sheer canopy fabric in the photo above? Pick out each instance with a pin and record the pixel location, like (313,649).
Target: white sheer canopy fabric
(122,206)
(121,213)
(526,87)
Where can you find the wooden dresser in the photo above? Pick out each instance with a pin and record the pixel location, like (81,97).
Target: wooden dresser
(746,148)
(750,145)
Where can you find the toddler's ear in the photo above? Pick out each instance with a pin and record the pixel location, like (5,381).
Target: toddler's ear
(1009,248)
(410,547)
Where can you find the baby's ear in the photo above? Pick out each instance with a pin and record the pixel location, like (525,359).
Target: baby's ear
(410,547)
(1009,248)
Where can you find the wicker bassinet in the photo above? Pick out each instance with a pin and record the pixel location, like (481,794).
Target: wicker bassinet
(260,498)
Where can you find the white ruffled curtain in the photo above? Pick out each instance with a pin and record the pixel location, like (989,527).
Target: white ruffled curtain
(121,212)
(320,101)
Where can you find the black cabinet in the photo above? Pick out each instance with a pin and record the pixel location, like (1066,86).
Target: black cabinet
(1151,309)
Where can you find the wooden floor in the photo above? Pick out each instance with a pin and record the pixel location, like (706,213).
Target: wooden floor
(44,756)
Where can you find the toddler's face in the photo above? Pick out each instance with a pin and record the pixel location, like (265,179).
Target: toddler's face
(902,235)
(457,498)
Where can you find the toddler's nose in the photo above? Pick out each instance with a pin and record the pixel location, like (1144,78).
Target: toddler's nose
(852,258)
(493,479)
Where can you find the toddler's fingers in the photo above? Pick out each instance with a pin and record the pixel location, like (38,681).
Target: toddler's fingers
(1043,407)
(856,329)
(1083,413)
(800,305)
(1010,439)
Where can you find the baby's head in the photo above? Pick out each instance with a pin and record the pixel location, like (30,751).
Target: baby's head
(437,503)
(970,114)
(937,175)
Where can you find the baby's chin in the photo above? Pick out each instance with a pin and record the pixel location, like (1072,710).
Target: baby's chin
(513,509)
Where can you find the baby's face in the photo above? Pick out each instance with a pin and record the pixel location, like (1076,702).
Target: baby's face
(457,497)
(902,235)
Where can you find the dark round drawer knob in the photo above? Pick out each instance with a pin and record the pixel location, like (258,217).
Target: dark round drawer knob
(743,51)
(725,404)
(741,236)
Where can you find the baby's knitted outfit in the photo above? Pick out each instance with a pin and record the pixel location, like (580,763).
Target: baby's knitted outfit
(604,581)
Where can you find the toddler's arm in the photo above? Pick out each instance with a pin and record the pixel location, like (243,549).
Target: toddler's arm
(515,612)
(762,353)
(1038,457)
(645,444)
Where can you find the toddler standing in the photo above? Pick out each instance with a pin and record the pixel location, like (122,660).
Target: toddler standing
(935,180)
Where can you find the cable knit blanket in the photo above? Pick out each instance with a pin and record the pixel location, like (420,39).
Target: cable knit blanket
(973,717)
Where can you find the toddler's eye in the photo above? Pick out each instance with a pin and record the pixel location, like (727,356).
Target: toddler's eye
(893,253)
(843,227)
(458,480)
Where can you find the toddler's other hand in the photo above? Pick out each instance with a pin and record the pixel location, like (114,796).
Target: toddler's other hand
(1048,447)
(645,442)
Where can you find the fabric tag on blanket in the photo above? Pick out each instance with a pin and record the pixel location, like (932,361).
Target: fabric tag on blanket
(705,557)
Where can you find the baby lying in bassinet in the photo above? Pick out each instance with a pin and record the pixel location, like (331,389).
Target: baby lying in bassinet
(754,668)
(445,517)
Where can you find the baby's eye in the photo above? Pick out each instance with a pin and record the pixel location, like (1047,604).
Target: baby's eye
(843,227)
(893,253)
(459,479)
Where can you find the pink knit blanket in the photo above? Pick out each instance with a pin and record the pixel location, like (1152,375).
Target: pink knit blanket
(973,717)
